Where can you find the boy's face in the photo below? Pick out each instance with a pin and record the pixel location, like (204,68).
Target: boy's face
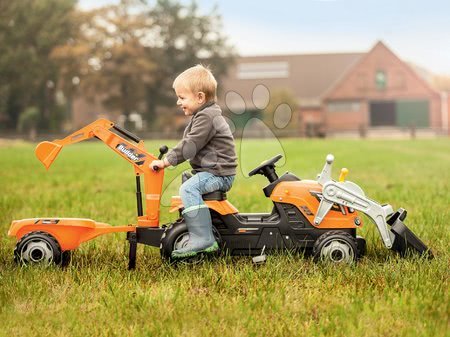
(189,101)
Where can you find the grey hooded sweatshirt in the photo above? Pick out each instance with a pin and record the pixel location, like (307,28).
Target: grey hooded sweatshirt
(207,143)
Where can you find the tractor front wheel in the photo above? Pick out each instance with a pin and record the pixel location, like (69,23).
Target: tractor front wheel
(40,248)
(336,247)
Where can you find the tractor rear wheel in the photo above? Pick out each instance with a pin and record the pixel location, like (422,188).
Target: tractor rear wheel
(336,247)
(39,248)
(176,236)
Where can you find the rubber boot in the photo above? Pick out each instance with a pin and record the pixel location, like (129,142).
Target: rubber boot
(201,237)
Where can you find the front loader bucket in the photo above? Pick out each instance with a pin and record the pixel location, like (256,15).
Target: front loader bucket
(46,152)
(405,239)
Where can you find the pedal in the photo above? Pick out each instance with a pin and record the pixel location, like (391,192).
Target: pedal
(260,259)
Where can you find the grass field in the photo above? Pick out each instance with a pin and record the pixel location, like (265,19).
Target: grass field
(383,295)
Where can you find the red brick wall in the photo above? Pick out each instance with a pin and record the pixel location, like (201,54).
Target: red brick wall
(347,119)
(311,121)
(311,115)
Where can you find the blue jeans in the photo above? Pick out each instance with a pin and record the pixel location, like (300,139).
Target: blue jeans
(203,182)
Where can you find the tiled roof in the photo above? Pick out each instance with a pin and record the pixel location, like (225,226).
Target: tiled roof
(308,76)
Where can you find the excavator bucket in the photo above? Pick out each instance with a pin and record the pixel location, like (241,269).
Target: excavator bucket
(46,152)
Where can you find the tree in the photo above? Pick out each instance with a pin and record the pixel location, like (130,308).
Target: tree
(179,38)
(282,111)
(441,82)
(29,31)
(107,56)
(131,53)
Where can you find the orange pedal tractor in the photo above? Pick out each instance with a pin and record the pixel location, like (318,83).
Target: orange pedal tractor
(318,216)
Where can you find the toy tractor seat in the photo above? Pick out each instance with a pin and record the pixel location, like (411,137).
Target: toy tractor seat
(215,195)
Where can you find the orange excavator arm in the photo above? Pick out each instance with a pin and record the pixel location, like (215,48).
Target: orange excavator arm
(135,154)
(47,152)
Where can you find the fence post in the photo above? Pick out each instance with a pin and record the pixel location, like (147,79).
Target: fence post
(362,131)
(412,131)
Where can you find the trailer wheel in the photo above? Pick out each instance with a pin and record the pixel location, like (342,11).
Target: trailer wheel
(336,247)
(39,248)
(176,236)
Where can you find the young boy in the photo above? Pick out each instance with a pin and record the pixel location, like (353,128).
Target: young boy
(208,144)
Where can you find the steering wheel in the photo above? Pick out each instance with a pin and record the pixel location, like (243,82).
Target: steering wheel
(267,168)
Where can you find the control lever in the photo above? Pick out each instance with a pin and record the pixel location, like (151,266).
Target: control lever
(325,175)
(162,151)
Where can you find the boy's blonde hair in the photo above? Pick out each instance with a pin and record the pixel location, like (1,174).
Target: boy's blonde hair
(198,79)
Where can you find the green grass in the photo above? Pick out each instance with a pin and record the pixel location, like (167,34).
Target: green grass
(383,295)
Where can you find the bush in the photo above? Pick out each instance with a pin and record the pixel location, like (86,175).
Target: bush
(28,121)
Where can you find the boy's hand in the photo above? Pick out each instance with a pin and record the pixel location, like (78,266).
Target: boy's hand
(159,164)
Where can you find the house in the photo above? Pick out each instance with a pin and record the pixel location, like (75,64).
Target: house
(342,92)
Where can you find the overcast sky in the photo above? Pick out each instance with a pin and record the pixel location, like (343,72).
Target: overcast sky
(417,31)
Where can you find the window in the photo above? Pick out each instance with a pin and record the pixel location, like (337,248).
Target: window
(344,106)
(380,80)
(263,70)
